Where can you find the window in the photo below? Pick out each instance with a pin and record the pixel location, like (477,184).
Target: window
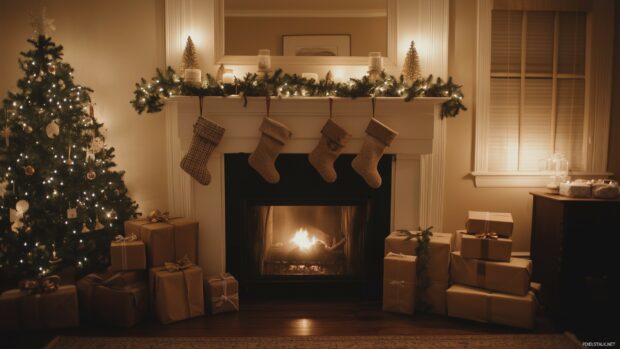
(536,78)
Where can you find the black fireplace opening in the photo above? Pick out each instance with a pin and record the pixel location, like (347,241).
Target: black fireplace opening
(304,237)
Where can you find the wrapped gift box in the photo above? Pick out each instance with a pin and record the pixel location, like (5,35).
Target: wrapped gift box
(166,241)
(509,277)
(222,293)
(56,309)
(484,306)
(127,255)
(399,280)
(484,246)
(439,248)
(176,293)
(489,222)
(605,189)
(576,189)
(114,298)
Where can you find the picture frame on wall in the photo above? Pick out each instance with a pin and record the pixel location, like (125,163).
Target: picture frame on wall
(316,45)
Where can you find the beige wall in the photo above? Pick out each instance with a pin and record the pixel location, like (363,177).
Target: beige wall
(245,36)
(613,160)
(110,44)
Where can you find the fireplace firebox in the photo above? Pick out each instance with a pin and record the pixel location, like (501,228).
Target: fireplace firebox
(304,237)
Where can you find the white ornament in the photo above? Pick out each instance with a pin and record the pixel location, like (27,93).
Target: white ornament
(3,187)
(97,144)
(17,214)
(52,129)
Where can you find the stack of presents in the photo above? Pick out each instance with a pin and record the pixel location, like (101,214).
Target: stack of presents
(153,272)
(469,274)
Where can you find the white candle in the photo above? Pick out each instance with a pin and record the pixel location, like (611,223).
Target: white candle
(375,61)
(228,77)
(192,76)
(310,76)
(264,60)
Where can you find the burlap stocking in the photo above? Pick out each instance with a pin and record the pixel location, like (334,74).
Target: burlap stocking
(332,141)
(263,159)
(378,137)
(207,135)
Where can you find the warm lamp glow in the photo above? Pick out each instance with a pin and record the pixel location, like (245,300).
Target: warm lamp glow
(303,240)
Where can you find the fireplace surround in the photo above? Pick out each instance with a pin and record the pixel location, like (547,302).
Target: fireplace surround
(304,237)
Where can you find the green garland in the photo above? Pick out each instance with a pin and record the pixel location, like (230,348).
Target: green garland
(150,96)
(423,238)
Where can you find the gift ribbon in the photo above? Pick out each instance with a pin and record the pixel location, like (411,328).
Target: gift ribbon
(156,216)
(40,285)
(122,240)
(485,237)
(481,271)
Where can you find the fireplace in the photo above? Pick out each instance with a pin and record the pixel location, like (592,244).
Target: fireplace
(304,237)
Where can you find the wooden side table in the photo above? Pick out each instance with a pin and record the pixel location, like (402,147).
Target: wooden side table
(575,258)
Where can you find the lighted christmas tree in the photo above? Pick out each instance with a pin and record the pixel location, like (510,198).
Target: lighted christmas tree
(411,67)
(60,201)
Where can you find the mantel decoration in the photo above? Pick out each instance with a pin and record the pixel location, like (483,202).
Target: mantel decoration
(150,96)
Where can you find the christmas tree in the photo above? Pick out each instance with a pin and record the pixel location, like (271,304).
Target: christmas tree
(411,67)
(190,58)
(60,201)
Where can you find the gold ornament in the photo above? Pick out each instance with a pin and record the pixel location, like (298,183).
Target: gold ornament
(52,129)
(72,213)
(6,133)
(85,228)
(90,175)
(27,128)
(16,215)
(98,225)
(3,188)
(51,69)
(29,170)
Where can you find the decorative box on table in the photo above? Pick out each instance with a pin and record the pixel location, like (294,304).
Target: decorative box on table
(399,281)
(576,189)
(489,222)
(51,309)
(222,293)
(177,291)
(509,277)
(114,298)
(127,253)
(487,246)
(439,249)
(484,306)
(167,240)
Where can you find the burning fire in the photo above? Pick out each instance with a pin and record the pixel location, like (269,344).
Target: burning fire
(303,240)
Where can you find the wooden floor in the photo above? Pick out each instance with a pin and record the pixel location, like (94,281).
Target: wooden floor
(288,319)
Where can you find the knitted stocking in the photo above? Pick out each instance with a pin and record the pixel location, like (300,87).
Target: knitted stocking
(274,137)
(330,146)
(378,137)
(207,135)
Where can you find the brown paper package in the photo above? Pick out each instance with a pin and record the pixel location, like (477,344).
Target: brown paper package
(126,293)
(166,242)
(499,249)
(509,277)
(19,310)
(176,295)
(222,293)
(127,255)
(440,247)
(490,222)
(399,281)
(480,305)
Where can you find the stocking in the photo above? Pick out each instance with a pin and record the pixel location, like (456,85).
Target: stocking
(207,135)
(332,141)
(378,137)
(263,159)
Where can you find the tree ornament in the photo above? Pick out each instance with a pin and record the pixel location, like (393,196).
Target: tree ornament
(98,225)
(52,129)
(90,155)
(71,213)
(29,170)
(3,188)
(51,69)
(54,259)
(97,144)
(411,67)
(27,129)
(69,159)
(17,215)
(90,175)
(112,214)
(329,77)
(85,228)
(6,133)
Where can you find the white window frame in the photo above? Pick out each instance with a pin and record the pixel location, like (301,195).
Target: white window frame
(598,71)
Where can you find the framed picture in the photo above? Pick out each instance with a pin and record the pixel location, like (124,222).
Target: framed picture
(316,45)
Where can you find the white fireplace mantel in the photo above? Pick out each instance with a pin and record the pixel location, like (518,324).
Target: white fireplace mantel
(415,121)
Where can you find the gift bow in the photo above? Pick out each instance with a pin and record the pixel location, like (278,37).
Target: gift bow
(157,216)
(40,284)
(488,235)
(180,265)
(129,238)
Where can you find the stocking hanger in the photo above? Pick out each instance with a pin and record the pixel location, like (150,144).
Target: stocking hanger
(268,103)
(200,104)
(374,102)
(331,106)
